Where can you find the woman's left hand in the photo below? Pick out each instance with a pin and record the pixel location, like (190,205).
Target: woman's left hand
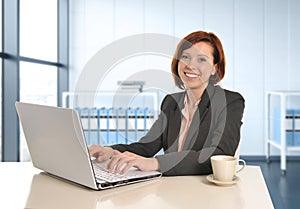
(121,162)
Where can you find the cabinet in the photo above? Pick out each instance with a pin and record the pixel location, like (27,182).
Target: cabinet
(282,123)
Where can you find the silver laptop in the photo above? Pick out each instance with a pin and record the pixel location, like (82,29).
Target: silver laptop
(57,145)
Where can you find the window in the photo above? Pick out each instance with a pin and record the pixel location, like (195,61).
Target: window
(38,40)
(38,83)
(38,29)
(35,34)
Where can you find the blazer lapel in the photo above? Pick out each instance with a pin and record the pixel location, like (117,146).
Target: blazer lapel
(174,129)
(198,118)
(175,124)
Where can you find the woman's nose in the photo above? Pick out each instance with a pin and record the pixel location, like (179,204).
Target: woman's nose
(191,65)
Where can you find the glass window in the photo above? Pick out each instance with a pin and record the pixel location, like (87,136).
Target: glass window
(38,84)
(38,29)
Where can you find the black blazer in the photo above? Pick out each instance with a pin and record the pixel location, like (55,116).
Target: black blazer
(215,129)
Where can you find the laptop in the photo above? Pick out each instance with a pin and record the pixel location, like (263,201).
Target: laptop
(57,145)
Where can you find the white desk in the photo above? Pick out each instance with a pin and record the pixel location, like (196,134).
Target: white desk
(22,186)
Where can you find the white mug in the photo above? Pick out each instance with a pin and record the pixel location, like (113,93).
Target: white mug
(225,167)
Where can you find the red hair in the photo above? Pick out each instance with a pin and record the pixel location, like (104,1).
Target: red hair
(190,40)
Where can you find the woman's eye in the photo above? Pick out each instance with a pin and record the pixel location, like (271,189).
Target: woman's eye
(185,57)
(202,59)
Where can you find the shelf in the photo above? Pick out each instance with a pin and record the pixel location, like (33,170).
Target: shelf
(282,123)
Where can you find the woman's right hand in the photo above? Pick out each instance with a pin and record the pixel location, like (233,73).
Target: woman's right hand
(101,153)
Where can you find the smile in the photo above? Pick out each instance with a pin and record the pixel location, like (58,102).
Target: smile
(191,75)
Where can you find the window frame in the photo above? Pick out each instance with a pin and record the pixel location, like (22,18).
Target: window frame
(11,59)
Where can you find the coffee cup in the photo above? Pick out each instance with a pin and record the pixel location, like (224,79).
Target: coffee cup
(225,167)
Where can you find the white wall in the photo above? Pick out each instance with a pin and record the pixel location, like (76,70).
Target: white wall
(260,38)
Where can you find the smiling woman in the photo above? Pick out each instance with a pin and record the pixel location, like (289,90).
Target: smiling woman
(193,125)
(196,66)
(209,51)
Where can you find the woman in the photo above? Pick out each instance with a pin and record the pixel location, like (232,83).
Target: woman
(193,125)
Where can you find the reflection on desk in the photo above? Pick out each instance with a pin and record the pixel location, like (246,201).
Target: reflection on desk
(50,192)
(40,190)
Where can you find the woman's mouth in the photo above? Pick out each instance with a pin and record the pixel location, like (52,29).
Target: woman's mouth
(192,75)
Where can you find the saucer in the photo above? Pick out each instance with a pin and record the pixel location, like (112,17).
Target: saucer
(210,178)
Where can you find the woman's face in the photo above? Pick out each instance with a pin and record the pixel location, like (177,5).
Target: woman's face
(196,65)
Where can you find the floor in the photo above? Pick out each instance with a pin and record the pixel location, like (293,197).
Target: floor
(284,189)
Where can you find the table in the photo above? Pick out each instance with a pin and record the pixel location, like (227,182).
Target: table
(23,186)
(281,145)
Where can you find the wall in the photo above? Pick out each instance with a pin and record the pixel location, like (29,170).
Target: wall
(260,37)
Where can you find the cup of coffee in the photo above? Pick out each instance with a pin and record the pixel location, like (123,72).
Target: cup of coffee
(225,167)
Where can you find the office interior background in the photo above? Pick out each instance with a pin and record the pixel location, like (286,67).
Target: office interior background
(46,45)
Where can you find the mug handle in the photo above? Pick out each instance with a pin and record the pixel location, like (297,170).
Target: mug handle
(243,166)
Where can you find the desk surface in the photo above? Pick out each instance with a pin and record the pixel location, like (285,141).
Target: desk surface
(22,186)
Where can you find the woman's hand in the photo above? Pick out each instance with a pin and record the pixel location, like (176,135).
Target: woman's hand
(121,162)
(101,153)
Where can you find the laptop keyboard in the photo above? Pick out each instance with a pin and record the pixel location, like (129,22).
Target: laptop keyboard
(102,173)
